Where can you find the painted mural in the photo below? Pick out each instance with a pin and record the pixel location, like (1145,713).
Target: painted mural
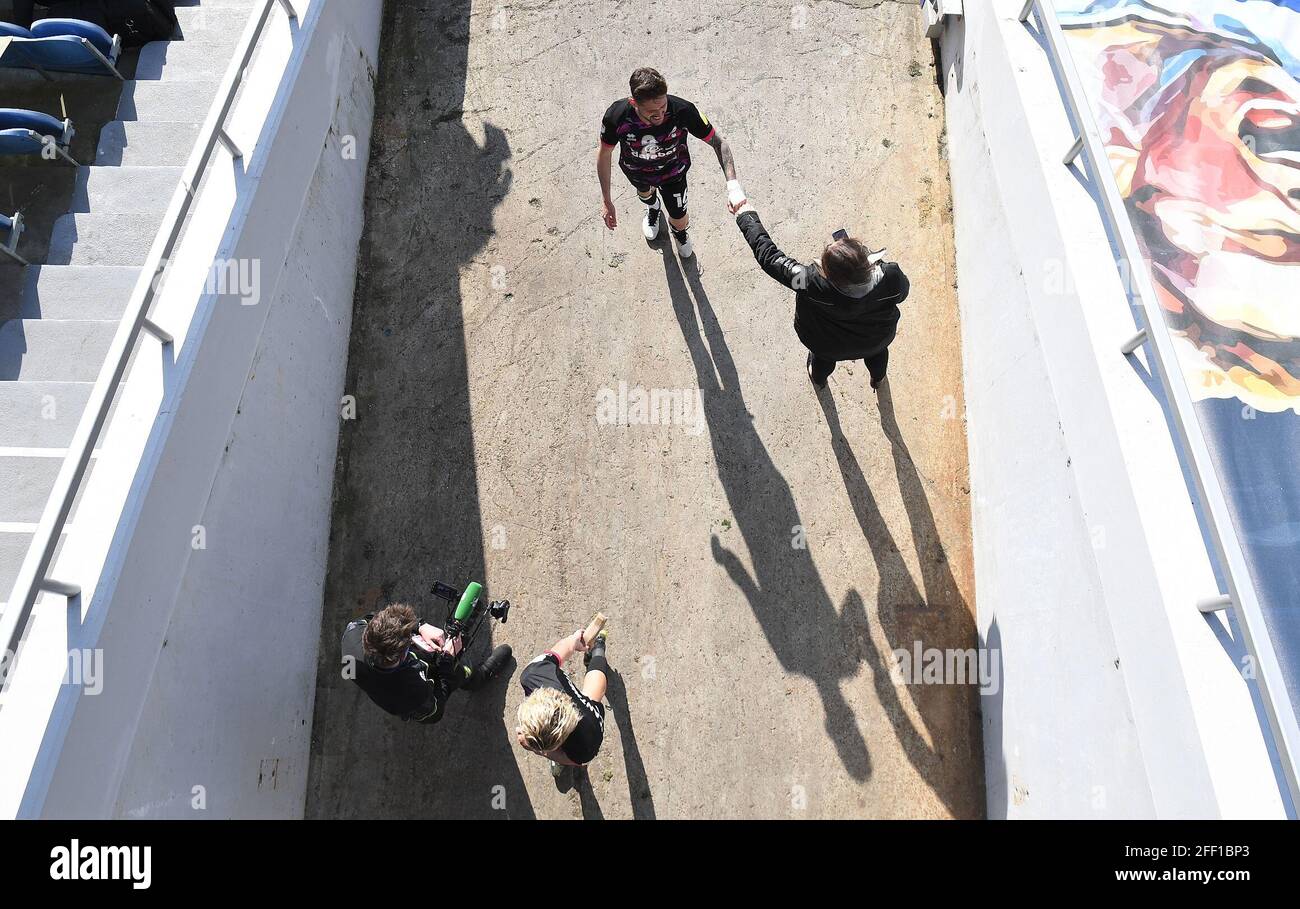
(1198,104)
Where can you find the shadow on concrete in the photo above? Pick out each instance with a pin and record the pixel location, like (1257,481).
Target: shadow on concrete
(950,56)
(809,636)
(13,347)
(586,795)
(638,783)
(578,779)
(406,502)
(935,615)
(997,777)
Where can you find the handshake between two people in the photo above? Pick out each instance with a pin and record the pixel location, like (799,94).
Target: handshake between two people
(737,202)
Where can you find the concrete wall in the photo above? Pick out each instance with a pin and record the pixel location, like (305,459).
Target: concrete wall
(207,605)
(1119,699)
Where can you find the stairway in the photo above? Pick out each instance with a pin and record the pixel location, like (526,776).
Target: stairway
(71,303)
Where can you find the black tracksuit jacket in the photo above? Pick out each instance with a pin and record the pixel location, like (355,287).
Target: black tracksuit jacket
(830,323)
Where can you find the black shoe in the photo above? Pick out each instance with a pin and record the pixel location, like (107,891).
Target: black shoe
(597,647)
(490,668)
(818,385)
(875,383)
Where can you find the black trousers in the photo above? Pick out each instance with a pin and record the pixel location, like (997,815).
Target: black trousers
(877,364)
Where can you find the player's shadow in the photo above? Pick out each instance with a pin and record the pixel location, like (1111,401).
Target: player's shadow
(638,783)
(406,500)
(935,615)
(577,779)
(586,794)
(808,634)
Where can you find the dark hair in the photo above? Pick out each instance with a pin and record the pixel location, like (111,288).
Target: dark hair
(847,262)
(388,634)
(647,84)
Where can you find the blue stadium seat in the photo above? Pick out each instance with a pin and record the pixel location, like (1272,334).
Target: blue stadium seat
(63,46)
(29,132)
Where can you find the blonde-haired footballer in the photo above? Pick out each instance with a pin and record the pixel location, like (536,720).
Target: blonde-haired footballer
(557,719)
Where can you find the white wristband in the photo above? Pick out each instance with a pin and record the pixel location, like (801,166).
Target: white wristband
(735,195)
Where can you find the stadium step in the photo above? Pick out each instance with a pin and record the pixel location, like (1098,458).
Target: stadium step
(172,100)
(14,543)
(182,61)
(68,309)
(41,414)
(83,238)
(125,189)
(46,350)
(27,482)
(157,144)
(214,23)
(76,292)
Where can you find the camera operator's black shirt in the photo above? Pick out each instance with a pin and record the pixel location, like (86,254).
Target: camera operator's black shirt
(583,743)
(829,322)
(651,155)
(413,689)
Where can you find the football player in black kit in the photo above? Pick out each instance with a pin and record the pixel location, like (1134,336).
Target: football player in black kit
(650,129)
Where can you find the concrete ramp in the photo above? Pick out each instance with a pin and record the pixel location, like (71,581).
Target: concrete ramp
(760,560)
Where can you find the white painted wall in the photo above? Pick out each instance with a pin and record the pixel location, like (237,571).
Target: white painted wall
(1118,697)
(209,655)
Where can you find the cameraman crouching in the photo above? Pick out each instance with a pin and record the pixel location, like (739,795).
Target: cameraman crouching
(410,669)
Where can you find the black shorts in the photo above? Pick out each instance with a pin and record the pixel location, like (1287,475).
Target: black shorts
(673,194)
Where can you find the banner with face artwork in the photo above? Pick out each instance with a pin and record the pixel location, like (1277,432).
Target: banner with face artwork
(1198,105)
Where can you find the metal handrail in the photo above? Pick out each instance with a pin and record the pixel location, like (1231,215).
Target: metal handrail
(1241,591)
(33,578)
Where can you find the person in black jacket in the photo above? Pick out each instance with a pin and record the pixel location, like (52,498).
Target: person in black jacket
(410,669)
(846,304)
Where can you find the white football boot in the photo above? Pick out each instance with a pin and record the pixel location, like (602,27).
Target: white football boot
(684,248)
(654,219)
